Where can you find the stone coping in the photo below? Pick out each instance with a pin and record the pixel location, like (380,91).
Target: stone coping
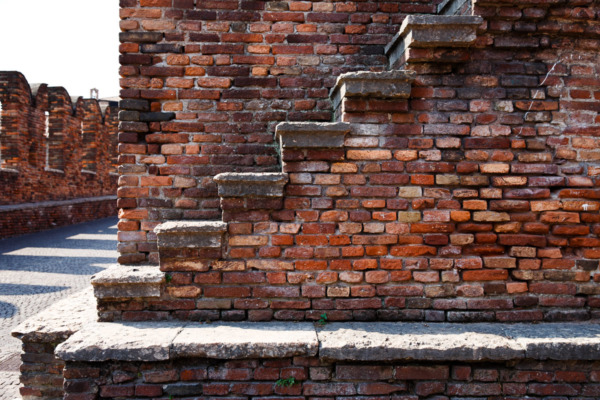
(378,341)
(58,203)
(183,227)
(59,321)
(312,134)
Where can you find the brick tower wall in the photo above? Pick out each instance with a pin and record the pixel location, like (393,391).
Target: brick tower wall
(205,83)
(474,199)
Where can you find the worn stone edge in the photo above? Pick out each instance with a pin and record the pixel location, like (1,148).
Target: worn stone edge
(522,341)
(420,20)
(312,127)
(531,345)
(264,178)
(177,227)
(129,274)
(71,314)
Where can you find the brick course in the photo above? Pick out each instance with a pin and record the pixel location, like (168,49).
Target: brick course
(264,378)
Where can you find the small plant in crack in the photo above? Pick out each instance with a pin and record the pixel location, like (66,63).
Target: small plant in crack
(323,320)
(288,382)
(168,278)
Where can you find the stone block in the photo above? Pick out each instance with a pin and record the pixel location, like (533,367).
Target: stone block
(379,85)
(251,184)
(427,31)
(128,282)
(190,234)
(246,340)
(312,134)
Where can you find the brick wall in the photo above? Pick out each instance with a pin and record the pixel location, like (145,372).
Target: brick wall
(205,83)
(34,217)
(264,379)
(53,148)
(46,164)
(474,198)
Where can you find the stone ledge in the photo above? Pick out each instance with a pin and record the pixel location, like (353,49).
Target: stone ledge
(382,85)
(159,341)
(251,184)
(312,134)
(128,282)
(459,342)
(156,341)
(427,31)
(59,321)
(191,234)
(184,227)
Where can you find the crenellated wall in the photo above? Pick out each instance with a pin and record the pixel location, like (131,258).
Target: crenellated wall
(53,148)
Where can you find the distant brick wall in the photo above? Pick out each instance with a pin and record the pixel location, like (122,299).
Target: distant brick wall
(71,156)
(205,83)
(34,217)
(52,149)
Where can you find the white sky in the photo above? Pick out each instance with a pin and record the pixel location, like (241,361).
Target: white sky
(69,43)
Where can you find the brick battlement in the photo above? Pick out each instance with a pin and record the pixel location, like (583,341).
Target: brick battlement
(54,147)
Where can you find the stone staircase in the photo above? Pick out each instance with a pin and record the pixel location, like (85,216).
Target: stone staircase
(158,337)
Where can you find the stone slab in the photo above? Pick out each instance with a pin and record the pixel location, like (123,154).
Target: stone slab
(59,321)
(381,85)
(416,341)
(122,341)
(418,31)
(183,227)
(251,184)
(557,341)
(190,234)
(312,134)
(128,282)
(246,340)
(371,342)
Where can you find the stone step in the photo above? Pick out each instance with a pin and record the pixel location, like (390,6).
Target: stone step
(128,282)
(388,85)
(432,32)
(251,184)
(187,245)
(298,135)
(373,342)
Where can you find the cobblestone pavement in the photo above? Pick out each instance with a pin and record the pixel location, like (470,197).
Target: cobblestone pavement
(38,269)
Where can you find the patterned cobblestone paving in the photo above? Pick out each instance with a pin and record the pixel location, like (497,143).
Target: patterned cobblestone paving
(39,269)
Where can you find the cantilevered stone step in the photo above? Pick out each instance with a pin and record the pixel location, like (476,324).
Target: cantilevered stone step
(378,85)
(187,245)
(128,281)
(312,134)
(251,184)
(432,31)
